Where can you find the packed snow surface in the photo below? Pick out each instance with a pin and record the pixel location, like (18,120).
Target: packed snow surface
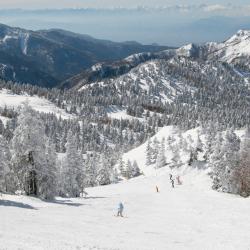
(116,112)
(191,216)
(11,100)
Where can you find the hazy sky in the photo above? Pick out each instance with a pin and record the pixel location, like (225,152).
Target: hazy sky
(170,22)
(109,3)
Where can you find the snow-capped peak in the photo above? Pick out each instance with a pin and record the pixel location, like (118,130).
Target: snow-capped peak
(240,36)
(185,50)
(243,33)
(189,50)
(236,46)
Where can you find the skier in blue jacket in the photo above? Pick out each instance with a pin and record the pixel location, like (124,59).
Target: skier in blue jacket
(120,209)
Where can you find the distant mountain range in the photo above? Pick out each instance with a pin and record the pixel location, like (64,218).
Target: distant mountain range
(48,57)
(235,52)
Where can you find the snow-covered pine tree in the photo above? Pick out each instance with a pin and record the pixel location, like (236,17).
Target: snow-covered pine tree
(1,127)
(128,168)
(28,150)
(210,132)
(4,164)
(214,161)
(161,158)
(193,156)
(228,159)
(135,170)
(104,171)
(49,183)
(121,167)
(242,172)
(155,150)
(199,144)
(114,177)
(73,168)
(149,153)
(91,170)
(176,155)
(131,170)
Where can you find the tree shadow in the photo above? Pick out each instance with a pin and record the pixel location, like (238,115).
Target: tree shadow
(65,202)
(94,197)
(7,203)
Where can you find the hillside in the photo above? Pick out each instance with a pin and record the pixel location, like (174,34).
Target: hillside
(13,101)
(118,138)
(47,57)
(234,53)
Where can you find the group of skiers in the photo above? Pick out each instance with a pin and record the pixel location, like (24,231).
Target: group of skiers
(179,182)
(172,181)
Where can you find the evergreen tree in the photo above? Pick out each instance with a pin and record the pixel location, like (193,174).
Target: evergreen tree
(149,153)
(135,170)
(114,176)
(228,158)
(49,183)
(242,172)
(176,155)
(29,159)
(4,164)
(104,172)
(91,170)
(72,168)
(121,167)
(155,150)
(1,127)
(161,158)
(128,168)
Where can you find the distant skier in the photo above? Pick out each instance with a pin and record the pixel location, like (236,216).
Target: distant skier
(170,177)
(179,182)
(172,182)
(157,189)
(120,209)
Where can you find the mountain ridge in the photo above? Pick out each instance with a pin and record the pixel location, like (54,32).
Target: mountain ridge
(225,52)
(47,57)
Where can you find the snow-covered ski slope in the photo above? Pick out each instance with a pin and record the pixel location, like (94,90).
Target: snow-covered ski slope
(191,216)
(11,100)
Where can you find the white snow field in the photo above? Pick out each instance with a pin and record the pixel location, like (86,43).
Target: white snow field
(191,216)
(39,104)
(4,119)
(119,113)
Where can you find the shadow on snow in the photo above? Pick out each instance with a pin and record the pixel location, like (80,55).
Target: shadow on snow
(94,197)
(7,203)
(68,202)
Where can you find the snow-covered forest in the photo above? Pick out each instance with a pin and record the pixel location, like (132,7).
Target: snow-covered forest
(85,149)
(183,112)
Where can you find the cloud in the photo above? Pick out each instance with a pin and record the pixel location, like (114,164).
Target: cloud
(210,9)
(225,8)
(215,8)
